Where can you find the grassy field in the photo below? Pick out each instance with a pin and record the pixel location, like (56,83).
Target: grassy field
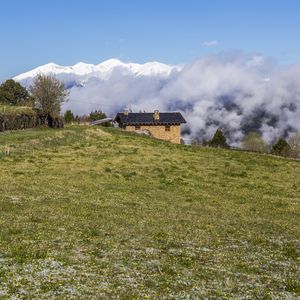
(99,213)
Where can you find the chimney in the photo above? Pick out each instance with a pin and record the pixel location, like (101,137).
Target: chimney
(126,112)
(156,115)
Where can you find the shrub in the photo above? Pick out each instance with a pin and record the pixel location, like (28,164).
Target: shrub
(13,118)
(55,121)
(281,147)
(18,117)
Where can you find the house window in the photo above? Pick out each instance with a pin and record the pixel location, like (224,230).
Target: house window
(167,128)
(137,127)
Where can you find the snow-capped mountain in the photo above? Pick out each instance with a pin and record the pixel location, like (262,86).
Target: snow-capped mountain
(103,70)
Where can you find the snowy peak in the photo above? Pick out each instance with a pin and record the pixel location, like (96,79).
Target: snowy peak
(102,70)
(45,69)
(111,63)
(155,68)
(82,68)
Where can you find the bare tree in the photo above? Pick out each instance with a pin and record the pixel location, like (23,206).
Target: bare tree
(254,142)
(49,94)
(294,142)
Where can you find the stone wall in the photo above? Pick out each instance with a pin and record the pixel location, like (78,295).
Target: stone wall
(160,132)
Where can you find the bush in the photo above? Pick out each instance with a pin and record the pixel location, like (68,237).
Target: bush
(281,147)
(50,121)
(17,118)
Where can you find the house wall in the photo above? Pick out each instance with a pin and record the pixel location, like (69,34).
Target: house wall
(159,132)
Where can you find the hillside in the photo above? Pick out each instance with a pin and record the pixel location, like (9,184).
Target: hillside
(99,213)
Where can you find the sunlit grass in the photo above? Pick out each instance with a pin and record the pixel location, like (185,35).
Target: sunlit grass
(90,212)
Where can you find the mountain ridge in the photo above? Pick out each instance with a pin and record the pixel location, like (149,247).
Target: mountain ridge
(101,70)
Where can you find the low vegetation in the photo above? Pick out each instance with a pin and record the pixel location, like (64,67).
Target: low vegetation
(100,213)
(20,109)
(253,142)
(17,117)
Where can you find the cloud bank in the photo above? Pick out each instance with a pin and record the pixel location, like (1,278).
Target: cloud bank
(237,92)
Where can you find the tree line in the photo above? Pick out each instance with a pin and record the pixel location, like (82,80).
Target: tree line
(44,96)
(254,142)
(70,118)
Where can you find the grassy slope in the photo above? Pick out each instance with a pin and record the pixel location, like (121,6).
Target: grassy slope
(86,212)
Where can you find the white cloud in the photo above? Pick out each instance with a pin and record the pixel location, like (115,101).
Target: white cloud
(256,61)
(227,90)
(212,43)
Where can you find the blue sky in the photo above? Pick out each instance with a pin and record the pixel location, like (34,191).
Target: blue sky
(35,32)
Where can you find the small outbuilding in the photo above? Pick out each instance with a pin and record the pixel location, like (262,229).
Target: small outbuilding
(161,125)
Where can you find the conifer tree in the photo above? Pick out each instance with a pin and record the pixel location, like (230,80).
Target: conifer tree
(68,117)
(281,147)
(219,140)
(13,93)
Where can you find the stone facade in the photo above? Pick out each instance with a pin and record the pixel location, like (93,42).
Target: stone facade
(169,133)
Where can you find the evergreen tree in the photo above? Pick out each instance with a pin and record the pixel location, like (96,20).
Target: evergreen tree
(97,115)
(13,93)
(219,140)
(281,147)
(68,117)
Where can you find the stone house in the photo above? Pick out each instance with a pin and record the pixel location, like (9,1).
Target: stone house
(161,125)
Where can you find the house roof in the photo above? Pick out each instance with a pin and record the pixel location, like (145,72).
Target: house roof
(165,118)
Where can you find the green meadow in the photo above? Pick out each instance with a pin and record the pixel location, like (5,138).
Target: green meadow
(97,213)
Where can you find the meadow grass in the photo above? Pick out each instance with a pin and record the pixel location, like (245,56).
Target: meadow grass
(100,213)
